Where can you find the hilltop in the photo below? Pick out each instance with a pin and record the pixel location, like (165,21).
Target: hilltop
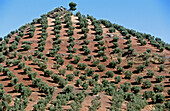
(62,61)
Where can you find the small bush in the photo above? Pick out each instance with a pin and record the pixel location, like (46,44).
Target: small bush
(76,72)
(109,74)
(70,67)
(128,74)
(120,69)
(47,73)
(130,63)
(69,77)
(70,56)
(112,64)
(159,78)
(32,75)
(78,82)
(117,79)
(101,67)
(136,89)
(26,47)
(147,84)
(56,66)
(139,79)
(140,68)
(21,65)
(150,73)
(14,81)
(161,67)
(76,59)
(89,71)
(158,88)
(96,77)
(62,71)
(111,30)
(95,62)
(82,66)
(85,85)
(10,75)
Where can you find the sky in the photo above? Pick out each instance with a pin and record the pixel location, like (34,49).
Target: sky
(146,16)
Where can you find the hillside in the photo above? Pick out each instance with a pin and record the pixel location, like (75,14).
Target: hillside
(63,61)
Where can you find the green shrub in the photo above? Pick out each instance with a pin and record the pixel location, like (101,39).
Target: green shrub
(139,79)
(56,66)
(117,79)
(70,67)
(98,37)
(21,65)
(89,57)
(148,94)
(150,73)
(78,82)
(116,50)
(109,74)
(112,64)
(2,58)
(92,82)
(120,69)
(95,62)
(69,77)
(130,63)
(115,39)
(89,71)
(161,67)
(159,78)
(70,56)
(27,69)
(76,59)
(76,72)
(96,77)
(126,86)
(83,77)
(17,38)
(119,60)
(147,84)
(159,98)
(14,81)
(87,51)
(10,75)
(85,85)
(128,74)
(158,88)
(101,67)
(140,68)
(72,6)
(136,89)
(8,62)
(111,30)
(42,66)
(26,47)
(59,59)
(82,66)
(16,62)
(62,71)
(168,92)
(14,54)
(32,75)
(62,83)
(47,73)
(19,56)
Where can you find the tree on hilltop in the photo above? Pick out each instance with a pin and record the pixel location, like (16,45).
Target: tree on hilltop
(72,6)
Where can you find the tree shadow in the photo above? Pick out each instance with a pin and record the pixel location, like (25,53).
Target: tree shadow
(5,79)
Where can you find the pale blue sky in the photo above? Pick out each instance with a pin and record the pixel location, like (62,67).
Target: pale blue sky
(147,16)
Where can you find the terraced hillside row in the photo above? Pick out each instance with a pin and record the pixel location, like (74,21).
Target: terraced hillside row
(62,61)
